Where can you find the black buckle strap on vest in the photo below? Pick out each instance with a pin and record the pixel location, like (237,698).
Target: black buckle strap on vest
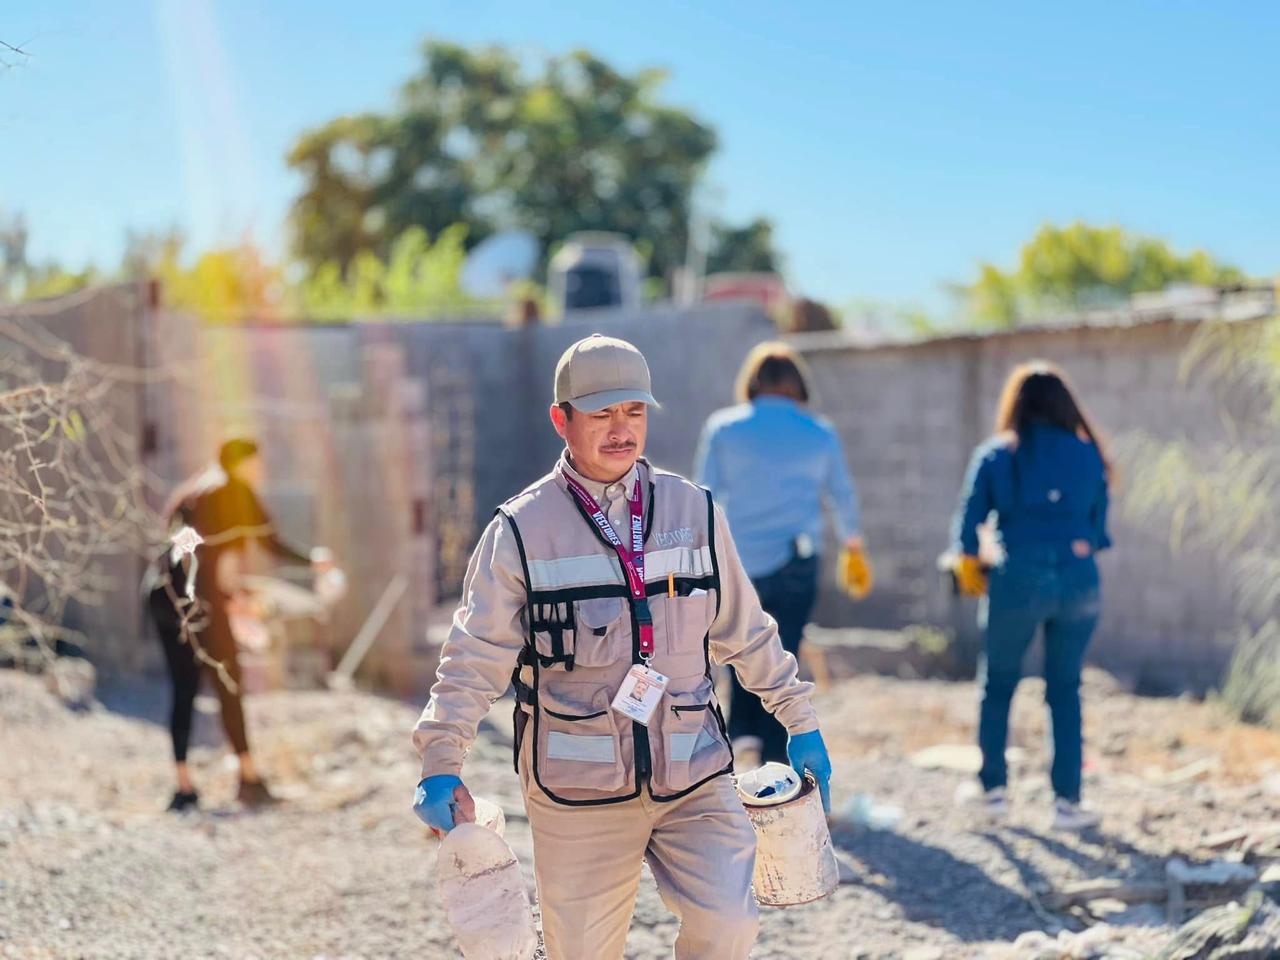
(643,614)
(518,724)
(566,659)
(524,696)
(524,692)
(554,625)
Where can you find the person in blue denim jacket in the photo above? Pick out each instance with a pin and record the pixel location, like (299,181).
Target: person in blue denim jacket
(1044,477)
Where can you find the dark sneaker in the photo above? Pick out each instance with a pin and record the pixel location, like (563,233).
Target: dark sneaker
(184,801)
(254,793)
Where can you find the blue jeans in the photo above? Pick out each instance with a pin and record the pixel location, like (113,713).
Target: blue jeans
(1061,594)
(787,595)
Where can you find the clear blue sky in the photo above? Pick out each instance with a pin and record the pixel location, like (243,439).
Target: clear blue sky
(895,145)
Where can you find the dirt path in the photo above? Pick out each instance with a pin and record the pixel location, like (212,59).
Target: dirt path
(89,867)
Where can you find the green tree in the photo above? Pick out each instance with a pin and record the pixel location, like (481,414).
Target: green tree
(21,278)
(1080,267)
(747,249)
(13,256)
(572,144)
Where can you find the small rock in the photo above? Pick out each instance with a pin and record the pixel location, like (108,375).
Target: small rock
(1215,873)
(72,680)
(1032,940)
(1116,745)
(960,757)
(1139,915)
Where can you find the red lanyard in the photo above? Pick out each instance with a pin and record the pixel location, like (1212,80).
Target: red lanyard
(632,558)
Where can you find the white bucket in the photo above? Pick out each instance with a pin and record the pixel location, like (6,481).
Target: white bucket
(795,862)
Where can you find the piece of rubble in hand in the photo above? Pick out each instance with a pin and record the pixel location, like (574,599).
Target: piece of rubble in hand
(484,897)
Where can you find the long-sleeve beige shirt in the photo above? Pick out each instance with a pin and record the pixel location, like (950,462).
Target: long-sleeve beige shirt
(488,633)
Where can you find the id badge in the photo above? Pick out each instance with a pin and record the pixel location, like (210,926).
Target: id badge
(640,693)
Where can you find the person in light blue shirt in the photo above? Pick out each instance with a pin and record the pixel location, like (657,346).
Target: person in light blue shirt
(1043,476)
(773,466)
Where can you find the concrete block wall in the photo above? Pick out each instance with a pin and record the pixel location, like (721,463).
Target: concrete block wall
(909,416)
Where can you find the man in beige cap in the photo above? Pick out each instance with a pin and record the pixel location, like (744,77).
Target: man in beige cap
(603,593)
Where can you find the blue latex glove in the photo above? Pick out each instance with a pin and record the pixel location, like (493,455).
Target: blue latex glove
(433,801)
(807,752)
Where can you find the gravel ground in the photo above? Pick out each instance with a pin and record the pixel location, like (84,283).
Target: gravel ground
(91,867)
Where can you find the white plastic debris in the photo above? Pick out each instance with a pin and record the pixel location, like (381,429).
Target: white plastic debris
(331,587)
(864,811)
(769,785)
(183,543)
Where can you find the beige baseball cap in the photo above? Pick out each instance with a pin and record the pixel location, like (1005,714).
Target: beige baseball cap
(600,371)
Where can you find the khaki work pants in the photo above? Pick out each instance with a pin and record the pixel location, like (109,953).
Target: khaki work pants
(700,848)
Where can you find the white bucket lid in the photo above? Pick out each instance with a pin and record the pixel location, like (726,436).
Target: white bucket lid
(769,785)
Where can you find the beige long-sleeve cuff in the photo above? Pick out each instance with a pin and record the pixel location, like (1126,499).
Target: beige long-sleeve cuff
(746,638)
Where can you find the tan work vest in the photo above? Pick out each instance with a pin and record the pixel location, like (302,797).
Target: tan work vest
(582,637)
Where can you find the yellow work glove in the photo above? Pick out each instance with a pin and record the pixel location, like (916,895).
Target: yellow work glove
(971,579)
(855,573)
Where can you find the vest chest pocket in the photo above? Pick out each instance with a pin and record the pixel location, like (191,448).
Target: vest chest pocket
(578,746)
(604,636)
(680,626)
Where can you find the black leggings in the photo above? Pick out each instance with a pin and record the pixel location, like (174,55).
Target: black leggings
(184,671)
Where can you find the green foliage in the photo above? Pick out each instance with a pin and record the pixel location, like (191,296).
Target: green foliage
(1251,688)
(221,286)
(746,249)
(1222,498)
(22,279)
(1244,356)
(876,318)
(1210,500)
(52,280)
(571,145)
(1068,269)
(420,278)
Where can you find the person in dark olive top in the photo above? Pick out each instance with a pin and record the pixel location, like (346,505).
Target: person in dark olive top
(1044,476)
(220,505)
